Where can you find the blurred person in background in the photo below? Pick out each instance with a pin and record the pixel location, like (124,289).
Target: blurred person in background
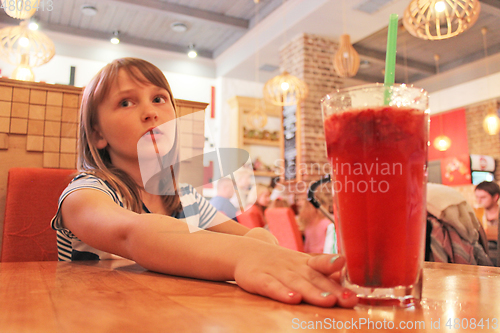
(315,224)
(225,191)
(244,181)
(257,201)
(281,196)
(487,195)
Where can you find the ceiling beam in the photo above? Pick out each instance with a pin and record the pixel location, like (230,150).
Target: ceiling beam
(166,7)
(4,18)
(400,61)
(265,8)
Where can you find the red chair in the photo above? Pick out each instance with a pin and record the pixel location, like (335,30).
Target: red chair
(282,224)
(31,202)
(252,217)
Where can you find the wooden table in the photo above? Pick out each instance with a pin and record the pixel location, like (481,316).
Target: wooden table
(120,296)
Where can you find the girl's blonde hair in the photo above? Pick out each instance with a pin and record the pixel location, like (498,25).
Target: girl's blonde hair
(97,161)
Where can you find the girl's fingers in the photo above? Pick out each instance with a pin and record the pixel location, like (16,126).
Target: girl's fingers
(270,287)
(319,290)
(330,266)
(316,296)
(326,264)
(335,277)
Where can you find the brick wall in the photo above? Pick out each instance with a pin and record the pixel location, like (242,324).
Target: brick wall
(309,57)
(480,142)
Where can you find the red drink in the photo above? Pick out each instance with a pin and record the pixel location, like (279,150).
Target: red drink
(379,156)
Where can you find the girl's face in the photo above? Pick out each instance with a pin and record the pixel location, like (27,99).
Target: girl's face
(131,110)
(264,199)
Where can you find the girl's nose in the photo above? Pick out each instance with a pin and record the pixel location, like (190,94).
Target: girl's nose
(149,113)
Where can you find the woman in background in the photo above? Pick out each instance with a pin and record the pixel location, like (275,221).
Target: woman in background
(315,223)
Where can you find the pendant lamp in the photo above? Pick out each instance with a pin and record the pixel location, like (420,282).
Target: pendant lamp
(285,89)
(25,48)
(346,60)
(491,122)
(440,19)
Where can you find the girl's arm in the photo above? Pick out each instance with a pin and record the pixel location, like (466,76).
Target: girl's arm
(221,223)
(164,244)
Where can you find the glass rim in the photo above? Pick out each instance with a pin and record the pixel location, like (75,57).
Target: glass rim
(373,86)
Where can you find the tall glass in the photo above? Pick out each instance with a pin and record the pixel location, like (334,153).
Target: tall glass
(376,140)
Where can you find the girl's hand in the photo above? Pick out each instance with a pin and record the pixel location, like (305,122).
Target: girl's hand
(293,277)
(263,235)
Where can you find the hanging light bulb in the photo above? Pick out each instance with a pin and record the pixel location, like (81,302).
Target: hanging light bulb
(346,60)
(24,42)
(33,25)
(192,51)
(23,71)
(440,6)
(115,38)
(285,89)
(442,143)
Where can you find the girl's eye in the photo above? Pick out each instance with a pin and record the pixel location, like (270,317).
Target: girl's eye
(125,103)
(159,99)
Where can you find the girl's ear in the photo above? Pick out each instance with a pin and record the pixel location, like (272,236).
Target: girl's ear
(99,141)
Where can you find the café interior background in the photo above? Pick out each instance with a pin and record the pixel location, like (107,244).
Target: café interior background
(230,34)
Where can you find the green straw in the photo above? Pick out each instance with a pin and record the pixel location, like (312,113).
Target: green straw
(390,56)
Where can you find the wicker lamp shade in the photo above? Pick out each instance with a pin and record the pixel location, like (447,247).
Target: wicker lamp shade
(19,41)
(285,89)
(440,19)
(20,9)
(257,118)
(491,122)
(346,60)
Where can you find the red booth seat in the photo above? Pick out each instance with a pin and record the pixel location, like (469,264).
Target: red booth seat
(31,202)
(282,224)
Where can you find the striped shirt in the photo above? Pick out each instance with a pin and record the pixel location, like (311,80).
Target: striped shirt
(196,210)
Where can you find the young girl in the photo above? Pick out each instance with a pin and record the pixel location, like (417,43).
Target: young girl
(105,212)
